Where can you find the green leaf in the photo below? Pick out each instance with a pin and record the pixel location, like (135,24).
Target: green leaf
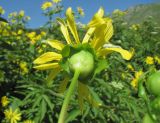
(96,101)
(42,110)
(37,101)
(46,98)
(101,65)
(72,115)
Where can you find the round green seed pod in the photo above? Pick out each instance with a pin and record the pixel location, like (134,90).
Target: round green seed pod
(82,61)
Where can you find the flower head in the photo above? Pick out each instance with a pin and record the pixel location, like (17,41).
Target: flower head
(21,13)
(80,11)
(12,115)
(149,60)
(4,101)
(46,5)
(137,75)
(157,59)
(72,54)
(56,1)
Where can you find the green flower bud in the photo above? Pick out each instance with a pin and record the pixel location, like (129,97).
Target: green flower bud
(82,61)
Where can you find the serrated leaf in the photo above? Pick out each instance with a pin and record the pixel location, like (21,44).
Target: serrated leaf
(42,110)
(46,98)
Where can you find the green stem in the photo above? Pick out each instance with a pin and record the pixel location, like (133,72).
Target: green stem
(68,97)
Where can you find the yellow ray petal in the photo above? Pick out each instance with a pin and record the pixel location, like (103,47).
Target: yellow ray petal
(97,19)
(102,34)
(46,57)
(72,25)
(56,44)
(124,53)
(88,35)
(64,30)
(47,66)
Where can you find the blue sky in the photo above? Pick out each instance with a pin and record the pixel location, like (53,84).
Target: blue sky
(32,8)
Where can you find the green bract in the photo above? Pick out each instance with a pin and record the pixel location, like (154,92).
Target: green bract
(82,61)
(153,83)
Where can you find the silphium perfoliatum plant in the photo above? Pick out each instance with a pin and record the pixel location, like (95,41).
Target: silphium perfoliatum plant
(81,59)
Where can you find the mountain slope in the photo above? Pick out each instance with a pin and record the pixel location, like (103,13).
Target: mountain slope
(139,13)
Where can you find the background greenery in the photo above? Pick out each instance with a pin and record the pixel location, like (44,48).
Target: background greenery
(28,91)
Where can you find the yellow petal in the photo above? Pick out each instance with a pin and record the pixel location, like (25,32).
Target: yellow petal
(72,25)
(124,53)
(46,57)
(64,30)
(102,34)
(88,35)
(56,44)
(97,19)
(46,66)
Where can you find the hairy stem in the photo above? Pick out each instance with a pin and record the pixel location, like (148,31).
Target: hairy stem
(68,97)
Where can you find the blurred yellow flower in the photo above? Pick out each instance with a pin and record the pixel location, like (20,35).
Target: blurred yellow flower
(56,1)
(28,121)
(135,27)
(13,14)
(13,116)
(43,33)
(21,13)
(137,75)
(80,11)
(31,35)
(28,18)
(157,59)
(46,5)
(130,67)
(4,101)
(23,66)
(149,60)
(20,32)
(2,11)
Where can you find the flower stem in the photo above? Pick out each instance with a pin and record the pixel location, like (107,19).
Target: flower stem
(68,97)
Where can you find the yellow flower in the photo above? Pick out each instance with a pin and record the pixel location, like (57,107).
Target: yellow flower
(13,116)
(100,28)
(23,66)
(99,32)
(21,13)
(80,11)
(46,5)
(43,33)
(157,59)
(56,1)
(130,67)
(2,11)
(28,121)
(137,75)
(135,27)
(4,101)
(20,32)
(149,60)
